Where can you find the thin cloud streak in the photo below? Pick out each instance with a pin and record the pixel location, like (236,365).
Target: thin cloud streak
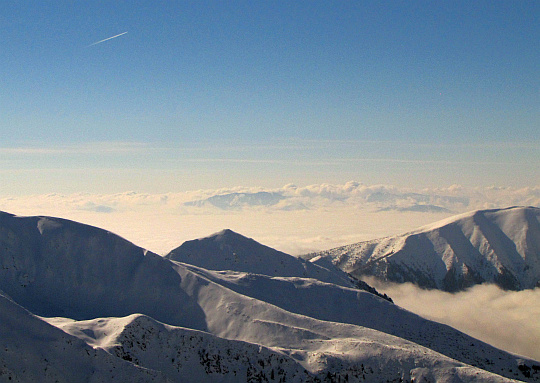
(294,146)
(109,38)
(86,148)
(340,161)
(236,160)
(485,145)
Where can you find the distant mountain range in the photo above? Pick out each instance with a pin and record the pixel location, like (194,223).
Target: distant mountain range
(381,200)
(80,304)
(487,246)
(232,201)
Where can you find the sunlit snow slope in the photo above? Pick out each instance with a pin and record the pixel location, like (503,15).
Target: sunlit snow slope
(494,246)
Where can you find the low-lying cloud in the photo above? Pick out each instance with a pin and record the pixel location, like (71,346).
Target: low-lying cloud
(505,319)
(294,219)
(454,198)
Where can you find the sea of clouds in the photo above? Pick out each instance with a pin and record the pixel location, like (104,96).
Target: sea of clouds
(291,218)
(302,219)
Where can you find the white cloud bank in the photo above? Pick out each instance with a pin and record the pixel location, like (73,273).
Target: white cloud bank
(291,218)
(505,319)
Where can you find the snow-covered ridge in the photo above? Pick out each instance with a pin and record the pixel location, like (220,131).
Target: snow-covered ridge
(158,319)
(227,250)
(34,351)
(500,246)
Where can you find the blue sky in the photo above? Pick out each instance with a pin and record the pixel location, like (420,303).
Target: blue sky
(267,92)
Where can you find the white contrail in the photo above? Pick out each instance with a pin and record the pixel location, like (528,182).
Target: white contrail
(98,42)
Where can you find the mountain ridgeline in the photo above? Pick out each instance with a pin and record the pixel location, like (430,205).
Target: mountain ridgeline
(81,304)
(488,246)
(227,250)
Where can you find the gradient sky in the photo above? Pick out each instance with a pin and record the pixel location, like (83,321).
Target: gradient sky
(214,93)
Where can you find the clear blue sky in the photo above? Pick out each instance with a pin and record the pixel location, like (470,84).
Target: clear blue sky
(352,81)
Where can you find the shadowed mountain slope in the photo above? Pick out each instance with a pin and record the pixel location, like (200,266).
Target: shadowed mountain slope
(227,250)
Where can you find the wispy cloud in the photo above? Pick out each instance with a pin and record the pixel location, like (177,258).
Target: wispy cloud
(342,161)
(419,161)
(294,153)
(235,160)
(282,145)
(401,143)
(82,148)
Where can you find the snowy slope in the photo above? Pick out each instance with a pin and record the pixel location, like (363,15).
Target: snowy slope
(193,356)
(496,246)
(227,250)
(31,350)
(55,267)
(238,316)
(182,354)
(346,305)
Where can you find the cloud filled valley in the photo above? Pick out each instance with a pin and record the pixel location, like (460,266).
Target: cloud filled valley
(506,319)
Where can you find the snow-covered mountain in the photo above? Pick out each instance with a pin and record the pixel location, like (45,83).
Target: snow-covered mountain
(238,200)
(130,315)
(227,250)
(499,246)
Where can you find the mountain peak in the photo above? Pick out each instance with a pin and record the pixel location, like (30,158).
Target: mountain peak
(228,250)
(226,232)
(226,235)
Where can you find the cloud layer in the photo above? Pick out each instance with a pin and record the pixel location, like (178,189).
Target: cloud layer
(505,319)
(292,218)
